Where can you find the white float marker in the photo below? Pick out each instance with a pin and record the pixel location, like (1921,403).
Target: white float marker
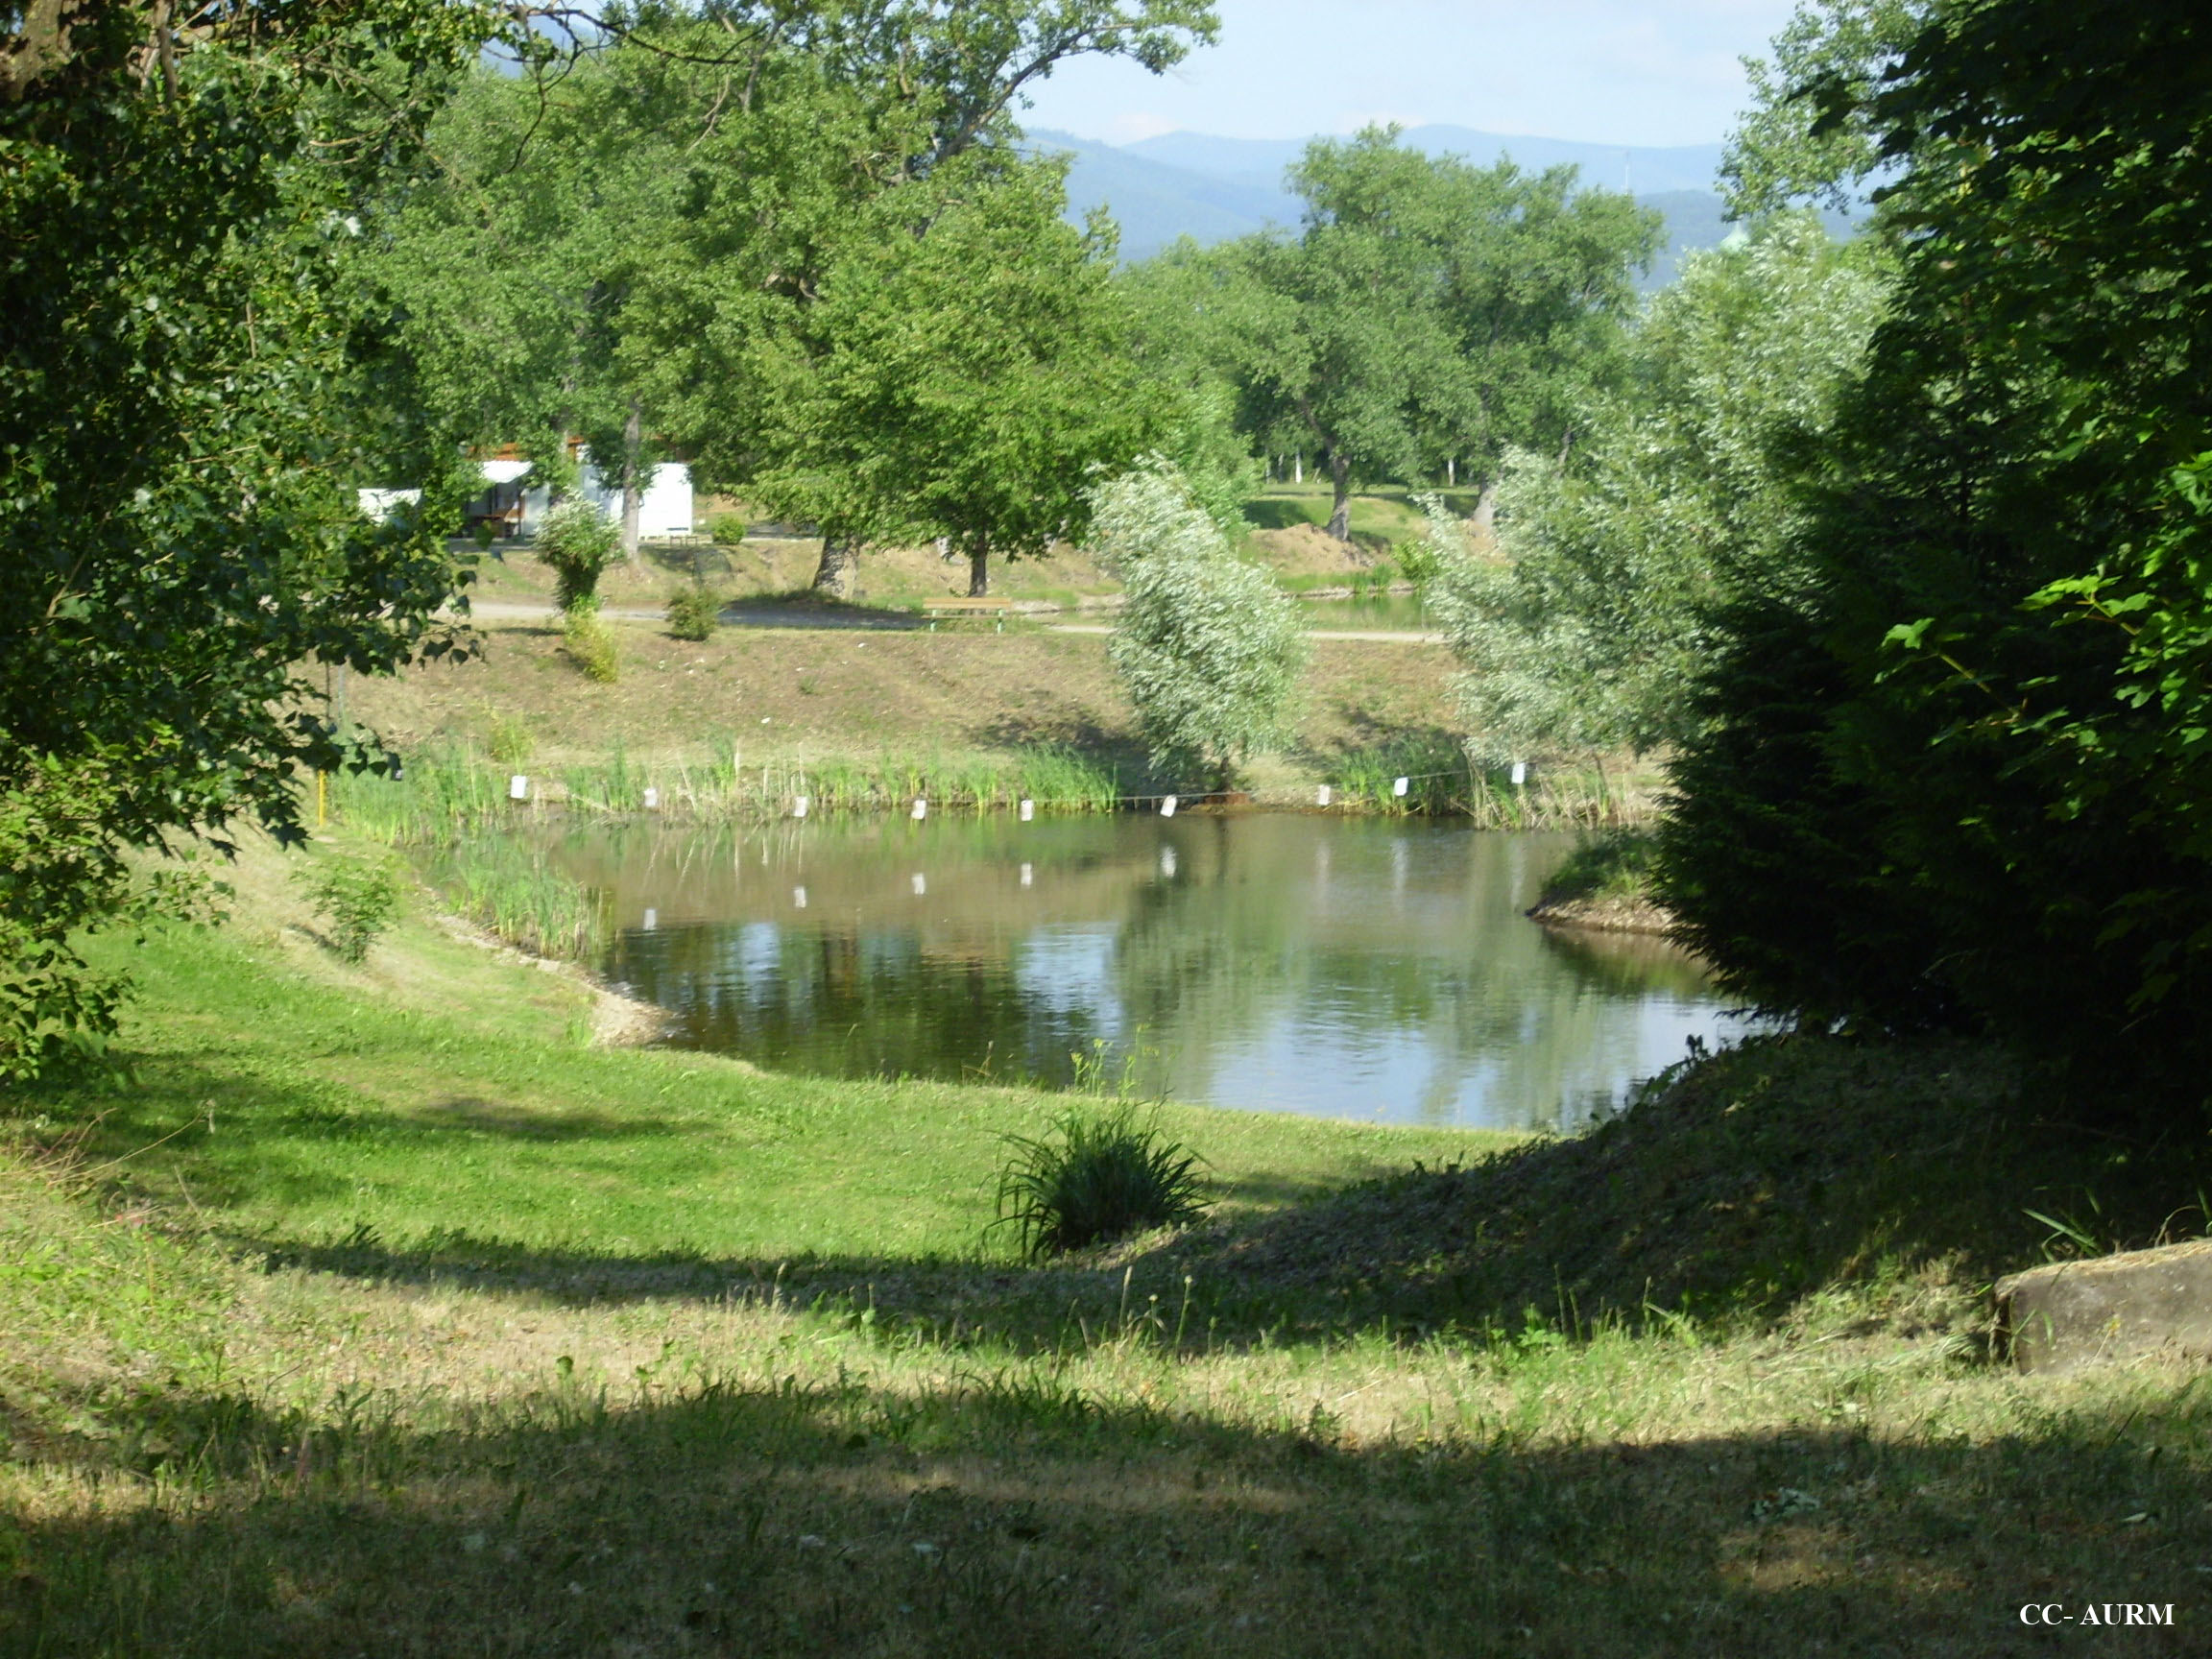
(652,800)
(1027,878)
(1028,811)
(1397,787)
(1323,796)
(1167,806)
(921,885)
(921,809)
(652,920)
(398,769)
(1520,772)
(518,788)
(799,897)
(798,810)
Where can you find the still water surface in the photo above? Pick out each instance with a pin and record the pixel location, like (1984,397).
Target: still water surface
(1343,967)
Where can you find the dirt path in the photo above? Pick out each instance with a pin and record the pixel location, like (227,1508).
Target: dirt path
(504,611)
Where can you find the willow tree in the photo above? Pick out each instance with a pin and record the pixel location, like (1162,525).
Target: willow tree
(1206,643)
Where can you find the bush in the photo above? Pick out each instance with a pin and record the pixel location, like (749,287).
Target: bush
(358,903)
(577,542)
(590,643)
(1208,647)
(1095,1175)
(694,613)
(726,529)
(1614,864)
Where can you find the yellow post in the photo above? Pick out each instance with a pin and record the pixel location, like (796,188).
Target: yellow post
(322,798)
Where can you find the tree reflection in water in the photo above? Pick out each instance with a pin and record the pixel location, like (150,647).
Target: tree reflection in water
(1359,967)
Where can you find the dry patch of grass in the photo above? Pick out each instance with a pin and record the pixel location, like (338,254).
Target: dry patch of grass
(308,1462)
(785,694)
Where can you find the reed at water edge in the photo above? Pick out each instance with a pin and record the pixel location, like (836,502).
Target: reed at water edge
(451,792)
(1444,781)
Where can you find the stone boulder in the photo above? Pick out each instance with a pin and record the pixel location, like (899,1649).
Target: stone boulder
(2110,1309)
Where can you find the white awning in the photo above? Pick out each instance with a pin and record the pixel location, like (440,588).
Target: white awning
(502,471)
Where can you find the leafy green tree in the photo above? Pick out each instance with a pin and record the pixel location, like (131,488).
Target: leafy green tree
(864,124)
(1960,773)
(1590,632)
(1811,136)
(1208,647)
(1429,310)
(966,382)
(191,394)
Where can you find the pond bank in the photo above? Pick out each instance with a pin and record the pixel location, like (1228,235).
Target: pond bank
(379,1309)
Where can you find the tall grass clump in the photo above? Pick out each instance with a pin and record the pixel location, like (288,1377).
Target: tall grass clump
(589,643)
(1097,1173)
(1439,777)
(1561,796)
(446,793)
(511,889)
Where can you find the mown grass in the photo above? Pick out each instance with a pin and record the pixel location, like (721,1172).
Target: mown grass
(429,1330)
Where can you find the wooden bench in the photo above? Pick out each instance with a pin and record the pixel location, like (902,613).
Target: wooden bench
(964,607)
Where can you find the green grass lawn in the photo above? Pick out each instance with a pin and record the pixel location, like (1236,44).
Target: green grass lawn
(378,1313)
(288,1106)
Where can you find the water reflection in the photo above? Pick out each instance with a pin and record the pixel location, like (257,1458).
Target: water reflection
(1343,967)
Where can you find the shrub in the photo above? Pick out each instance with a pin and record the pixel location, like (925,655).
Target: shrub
(1095,1175)
(1614,864)
(726,529)
(577,542)
(357,903)
(589,643)
(694,613)
(1208,648)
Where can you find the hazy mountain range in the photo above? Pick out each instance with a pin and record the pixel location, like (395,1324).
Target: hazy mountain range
(1210,189)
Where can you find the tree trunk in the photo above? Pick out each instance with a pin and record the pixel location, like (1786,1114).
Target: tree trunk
(840,563)
(632,491)
(1340,517)
(1486,506)
(1451,473)
(979,570)
(1298,467)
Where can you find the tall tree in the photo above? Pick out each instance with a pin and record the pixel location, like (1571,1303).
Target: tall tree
(966,382)
(1589,636)
(1429,310)
(875,103)
(1979,729)
(190,395)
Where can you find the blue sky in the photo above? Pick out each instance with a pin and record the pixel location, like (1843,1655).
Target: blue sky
(1608,71)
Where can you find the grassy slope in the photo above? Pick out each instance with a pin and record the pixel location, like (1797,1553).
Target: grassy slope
(1285,539)
(455,1336)
(783,694)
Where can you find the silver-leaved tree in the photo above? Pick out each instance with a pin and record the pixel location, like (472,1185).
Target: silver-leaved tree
(1208,648)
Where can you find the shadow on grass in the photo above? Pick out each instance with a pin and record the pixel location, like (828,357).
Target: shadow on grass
(804,608)
(1906,1175)
(1007,1514)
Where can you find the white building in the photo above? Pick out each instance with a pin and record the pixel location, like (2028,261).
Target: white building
(513,507)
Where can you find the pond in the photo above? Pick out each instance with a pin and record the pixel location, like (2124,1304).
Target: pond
(1377,969)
